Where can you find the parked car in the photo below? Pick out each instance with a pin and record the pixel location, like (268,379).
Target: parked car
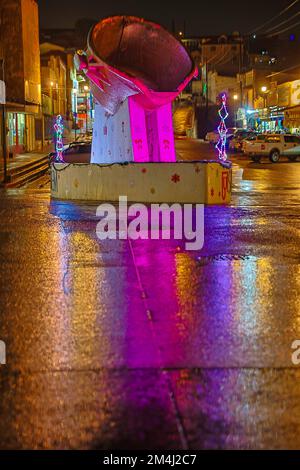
(248,144)
(87,137)
(75,152)
(236,143)
(273,146)
(293,153)
(213,137)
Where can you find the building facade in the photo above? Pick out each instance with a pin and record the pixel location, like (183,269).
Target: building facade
(271,102)
(59,88)
(21,59)
(223,54)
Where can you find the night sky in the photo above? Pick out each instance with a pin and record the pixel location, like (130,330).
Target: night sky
(202,17)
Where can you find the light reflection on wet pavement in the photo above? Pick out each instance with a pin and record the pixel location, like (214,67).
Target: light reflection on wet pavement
(143,344)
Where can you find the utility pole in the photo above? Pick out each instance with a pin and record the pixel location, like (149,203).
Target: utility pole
(75,124)
(3,131)
(3,108)
(206,95)
(240,71)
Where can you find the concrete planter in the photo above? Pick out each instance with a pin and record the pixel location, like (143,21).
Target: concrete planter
(183,182)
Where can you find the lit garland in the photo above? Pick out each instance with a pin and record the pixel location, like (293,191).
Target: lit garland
(59,145)
(222,129)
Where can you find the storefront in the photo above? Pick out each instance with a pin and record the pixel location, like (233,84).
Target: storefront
(272,124)
(292,119)
(283,116)
(241,118)
(21,132)
(85,111)
(268,120)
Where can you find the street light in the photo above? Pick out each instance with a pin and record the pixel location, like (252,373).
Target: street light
(265,91)
(52,99)
(235,98)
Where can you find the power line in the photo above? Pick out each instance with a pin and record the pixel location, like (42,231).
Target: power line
(211,59)
(284,30)
(282,12)
(222,61)
(282,22)
(283,71)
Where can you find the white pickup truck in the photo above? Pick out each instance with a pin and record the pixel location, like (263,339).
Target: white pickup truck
(272,146)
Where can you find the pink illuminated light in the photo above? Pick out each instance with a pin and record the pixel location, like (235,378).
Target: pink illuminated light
(222,129)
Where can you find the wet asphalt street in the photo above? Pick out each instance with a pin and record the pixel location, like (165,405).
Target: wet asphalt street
(141,344)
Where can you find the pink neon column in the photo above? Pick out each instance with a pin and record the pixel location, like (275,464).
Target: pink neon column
(152,133)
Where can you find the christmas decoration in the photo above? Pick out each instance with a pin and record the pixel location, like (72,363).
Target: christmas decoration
(222,129)
(59,132)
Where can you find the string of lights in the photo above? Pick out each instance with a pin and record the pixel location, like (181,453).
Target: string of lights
(80,165)
(59,144)
(222,129)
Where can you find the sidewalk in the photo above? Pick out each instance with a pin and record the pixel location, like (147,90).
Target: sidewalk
(29,158)
(22,160)
(24,167)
